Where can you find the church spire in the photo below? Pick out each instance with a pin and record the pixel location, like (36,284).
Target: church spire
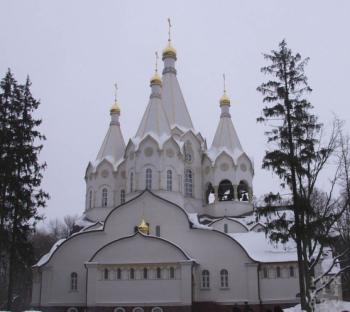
(226,137)
(154,120)
(173,100)
(113,144)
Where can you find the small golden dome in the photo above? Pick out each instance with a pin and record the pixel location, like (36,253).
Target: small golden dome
(169,51)
(143,227)
(115,108)
(155,79)
(225,100)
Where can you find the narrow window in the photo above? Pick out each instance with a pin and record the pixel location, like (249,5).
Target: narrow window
(106,274)
(132,273)
(265,273)
(171,273)
(169,180)
(159,273)
(74,281)
(188,183)
(158,230)
(90,199)
(291,271)
(122,196)
(119,274)
(131,182)
(148,178)
(224,278)
(225,228)
(278,272)
(104,197)
(205,279)
(145,273)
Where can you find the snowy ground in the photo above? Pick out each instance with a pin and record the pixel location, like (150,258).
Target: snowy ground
(328,306)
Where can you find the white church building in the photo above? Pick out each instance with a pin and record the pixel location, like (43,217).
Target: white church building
(169,223)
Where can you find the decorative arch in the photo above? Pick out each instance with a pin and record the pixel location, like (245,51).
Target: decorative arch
(119,309)
(243,191)
(225,191)
(72,309)
(157,309)
(138,309)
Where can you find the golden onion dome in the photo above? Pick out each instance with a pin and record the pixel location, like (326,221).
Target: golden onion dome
(224,100)
(115,108)
(155,79)
(169,51)
(143,227)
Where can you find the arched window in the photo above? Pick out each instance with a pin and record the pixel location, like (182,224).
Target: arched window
(158,230)
(119,309)
(138,309)
(157,309)
(74,281)
(209,194)
(72,309)
(225,191)
(90,199)
(122,196)
(104,197)
(145,273)
(119,274)
(265,273)
(224,278)
(131,181)
(172,273)
(132,273)
(278,272)
(159,273)
(291,271)
(149,178)
(205,279)
(188,183)
(242,191)
(169,180)
(106,274)
(226,228)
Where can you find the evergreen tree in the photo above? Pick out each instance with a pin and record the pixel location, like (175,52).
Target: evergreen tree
(20,176)
(297,156)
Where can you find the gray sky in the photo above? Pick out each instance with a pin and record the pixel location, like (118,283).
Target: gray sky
(74,51)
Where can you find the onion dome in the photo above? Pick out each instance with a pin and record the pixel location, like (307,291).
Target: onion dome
(156,80)
(115,109)
(225,100)
(143,227)
(169,51)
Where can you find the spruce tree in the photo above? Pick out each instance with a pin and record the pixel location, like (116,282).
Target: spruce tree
(20,174)
(297,156)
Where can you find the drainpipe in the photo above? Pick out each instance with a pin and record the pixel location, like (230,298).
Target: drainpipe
(259,295)
(41,284)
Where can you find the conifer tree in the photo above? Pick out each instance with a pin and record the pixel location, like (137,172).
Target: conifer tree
(20,175)
(297,156)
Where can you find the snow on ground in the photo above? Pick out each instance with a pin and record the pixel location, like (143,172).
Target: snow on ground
(327,306)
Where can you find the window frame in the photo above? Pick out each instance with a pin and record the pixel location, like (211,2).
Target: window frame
(148,179)
(205,279)
(188,181)
(122,196)
(169,180)
(74,281)
(224,278)
(104,202)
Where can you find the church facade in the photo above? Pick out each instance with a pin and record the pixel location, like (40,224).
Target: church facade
(169,223)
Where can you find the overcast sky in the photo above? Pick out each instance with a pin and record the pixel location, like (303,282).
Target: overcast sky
(74,51)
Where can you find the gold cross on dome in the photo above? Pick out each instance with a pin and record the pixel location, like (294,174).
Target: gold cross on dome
(224,78)
(115,92)
(157,57)
(169,30)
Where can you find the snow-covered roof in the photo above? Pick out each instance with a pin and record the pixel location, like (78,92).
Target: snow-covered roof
(154,119)
(193,217)
(260,249)
(174,102)
(113,145)
(47,256)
